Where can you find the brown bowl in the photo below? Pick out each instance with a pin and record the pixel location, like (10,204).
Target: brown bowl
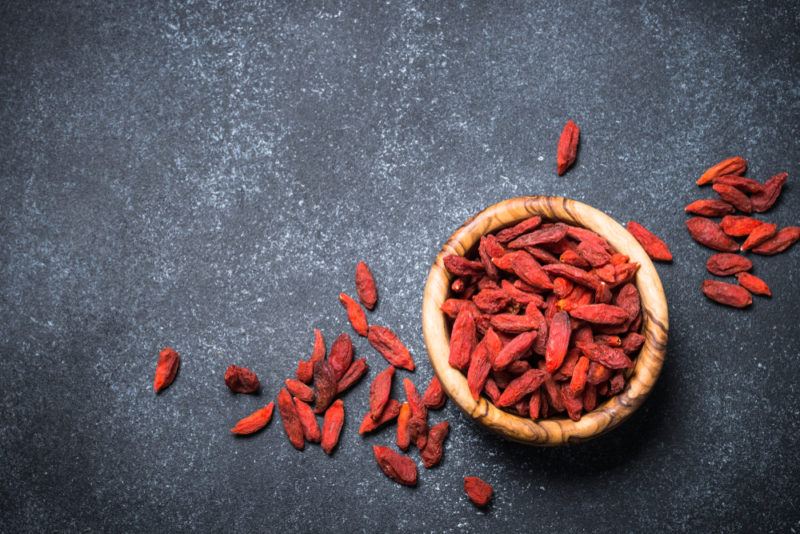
(552,431)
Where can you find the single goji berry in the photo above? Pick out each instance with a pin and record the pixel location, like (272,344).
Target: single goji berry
(593,253)
(390,347)
(579,276)
(708,233)
(726,264)
(601,314)
(491,300)
(341,355)
(318,352)
(514,350)
(365,286)
(535,405)
(572,403)
(727,294)
(514,324)
(379,392)
(598,373)
(486,258)
(396,466)
(325,386)
(354,373)
(254,422)
(434,397)
(709,207)
(734,197)
(579,374)
(390,413)
(332,426)
(403,432)
(543,236)
(462,340)
(418,423)
(632,343)
(739,225)
(513,232)
(522,386)
(432,454)
(461,266)
(753,284)
(299,390)
(567,147)
(355,314)
(651,243)
(611,357)
(311,431)
(166,368)
(529,271)
(290,420)
(557,341)
(241,380)
(305,371)
(770,191)
(735,165)
(760,234)
(571,257)
(478,491)
(519,296)
(589,397)
(745,185)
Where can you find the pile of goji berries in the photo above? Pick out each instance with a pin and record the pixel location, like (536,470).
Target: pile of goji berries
(325,376)
(545,318)
(737,193)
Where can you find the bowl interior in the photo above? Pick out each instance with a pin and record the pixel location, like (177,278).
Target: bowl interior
(655,323)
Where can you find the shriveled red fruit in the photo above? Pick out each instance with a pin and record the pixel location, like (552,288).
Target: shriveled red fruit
(355,314)
(354,373)
(434,397)
(403,432)
(594,253)
(521,386)
(529,271)
(572,403)
(611,357)
(770,191)
(598,373)
(305,371)
(734,197)
(726,264)
(325,386)
(486,258)
(567,147)
(365,286)
(514,350)
(166,368)
(651,243)
(759,235)
(739,225)
(513,232)
(332,426)
(432,454)
(589,397)
(557,341)
(241,379)
(543,236)
(519,296)
(255,421)
(390,347)
(491,300)
(318,352)
(299,390)
(311,431)
(290,420)
(579,374)
(418,423)
(379,392)
(632,343)
(601,314)
(390,413)
(782,240)
(709,207)
(753,284)
(579,276)
(735,165)
(396,466)
(461,266)
(341,355)
(727,294)
(745,185)
(478,491)
(479,367)
(709,234)
(514,324)
(535,405)
(463,339)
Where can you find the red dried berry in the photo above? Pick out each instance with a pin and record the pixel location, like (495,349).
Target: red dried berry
(254,422)
(478,491)
(290,420)
(396,466)
(652,244)
(567,147)
(727,294)
(308,420)
(166,368)
(735,165)
(241,380)
(753,284)
(365,286)
(332,426)
(379,392)
(355,314)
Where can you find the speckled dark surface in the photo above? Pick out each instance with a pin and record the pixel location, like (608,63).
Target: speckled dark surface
(207,175)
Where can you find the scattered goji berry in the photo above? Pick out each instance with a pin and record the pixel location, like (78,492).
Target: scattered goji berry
(739,225)
(727,294)
(753,284)
(379,392)
(332,426)
(255,421)
(734,197)
(432,454)
(299,390)
(735,165)
(651,243)
(390,413)
(760,234)
(567,147)
(396,466)
(290,420)
(365,286)
(325,386)
(308,420)
(478,491)
(726,264)
(166,368)
(355,314)
(241,380)
(782,240)
(709,207)
(434,397)
(390,347)
(354,373)
(770,191)
(709,234)
(403,432)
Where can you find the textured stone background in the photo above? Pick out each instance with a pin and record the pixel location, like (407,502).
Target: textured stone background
(206,176)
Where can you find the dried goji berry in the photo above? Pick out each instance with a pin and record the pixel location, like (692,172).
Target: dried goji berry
(365,286)
(557,341)
(734,197)
(571,257)
(578,381)
(726,264)
(708,233)
(332,426)
(572,403)
(753,284)
(166,368)
(519,296)
(746,185)
(418,423)
(379,392)
(709,207)
(782,240)
(602,314)
(341,355)
(478,491)
(529,271)
(318,352)
(290,420)
(567,147)
(461,266)
(514,350)
(462,340)
(305,371)
(403,432)
(521,386)
(255,421)
(541,255)
(300,390)
(549,235)
(432,454)
(632,343)
(311,431)
(760,234)
(355,314)
(611,357)
(652,244)
(770,191)
(593,253)
(491,300)
(325,386)
(241,380)
(390,413)
(434,397)
(535,405)
(479,368)
(589,397)
(611,341)
(513,232)
(735,165)
(583,234)
(396,466)
(579,276)
(514,324)
(354,373)
(486,258)
(390,347)
(598,373)
(727,294)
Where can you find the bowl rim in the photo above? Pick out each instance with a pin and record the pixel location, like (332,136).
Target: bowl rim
(551,431)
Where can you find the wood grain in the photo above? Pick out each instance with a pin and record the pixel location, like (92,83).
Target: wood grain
(554,431)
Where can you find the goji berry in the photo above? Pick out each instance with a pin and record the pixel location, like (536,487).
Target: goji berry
(735,165)
(390,413)
(166,368)
(241,380)
(770,191)
(478,491)
(567,147)
(462,339)
(332,426)
(651,243)
(365,286)
(380,391)
(390,347)
(311,431)
(254,422)
(290,420)
(432,454)
(709,207)
(708,233)
(726,264)
(760,234)
(354,373)
(355,314)
(727,294)
(396,466)
(434,397)
(782,240)
(753,284)
(299,390)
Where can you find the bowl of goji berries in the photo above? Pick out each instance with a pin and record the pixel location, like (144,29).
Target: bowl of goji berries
(545,320)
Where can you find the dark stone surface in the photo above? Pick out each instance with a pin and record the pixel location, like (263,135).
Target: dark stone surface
(207,175)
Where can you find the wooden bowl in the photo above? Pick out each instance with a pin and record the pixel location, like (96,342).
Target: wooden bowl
(552,431)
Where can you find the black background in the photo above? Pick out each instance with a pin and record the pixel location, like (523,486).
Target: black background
(207,175)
